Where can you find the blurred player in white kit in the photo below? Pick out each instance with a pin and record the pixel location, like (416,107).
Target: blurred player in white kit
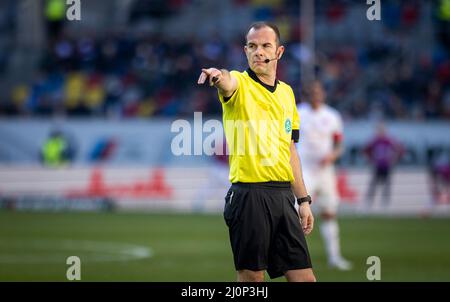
(319,146)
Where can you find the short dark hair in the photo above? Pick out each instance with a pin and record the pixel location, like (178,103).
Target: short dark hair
(262,24)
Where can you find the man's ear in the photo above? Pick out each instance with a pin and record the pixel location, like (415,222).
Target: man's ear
(280,52)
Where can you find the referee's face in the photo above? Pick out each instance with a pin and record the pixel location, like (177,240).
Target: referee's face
(262,45)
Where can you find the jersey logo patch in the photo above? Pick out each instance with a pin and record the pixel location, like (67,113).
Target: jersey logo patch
(288,125)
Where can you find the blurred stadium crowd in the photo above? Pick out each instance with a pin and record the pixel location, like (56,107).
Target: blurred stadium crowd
(398,68)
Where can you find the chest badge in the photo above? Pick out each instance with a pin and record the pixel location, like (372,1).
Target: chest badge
(288,125)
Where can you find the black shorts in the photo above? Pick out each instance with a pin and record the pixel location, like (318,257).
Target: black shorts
(264,227)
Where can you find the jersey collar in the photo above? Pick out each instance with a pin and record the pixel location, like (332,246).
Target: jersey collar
(255,78)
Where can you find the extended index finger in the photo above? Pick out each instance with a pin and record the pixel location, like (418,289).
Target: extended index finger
(202,78)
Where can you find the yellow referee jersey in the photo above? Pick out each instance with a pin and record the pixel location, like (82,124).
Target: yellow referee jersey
(259,122)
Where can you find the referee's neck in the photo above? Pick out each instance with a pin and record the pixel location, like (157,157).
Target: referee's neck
(269,80)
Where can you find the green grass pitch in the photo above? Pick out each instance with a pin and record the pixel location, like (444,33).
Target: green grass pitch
(33,247)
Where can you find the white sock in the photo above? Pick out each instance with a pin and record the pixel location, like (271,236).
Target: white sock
(330,234)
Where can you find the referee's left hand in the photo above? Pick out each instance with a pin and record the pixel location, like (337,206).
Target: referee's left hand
(306,217)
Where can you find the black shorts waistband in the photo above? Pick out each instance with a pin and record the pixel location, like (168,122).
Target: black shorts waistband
(264,185)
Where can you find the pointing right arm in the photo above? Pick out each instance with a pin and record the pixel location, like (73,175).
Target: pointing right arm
(225,83)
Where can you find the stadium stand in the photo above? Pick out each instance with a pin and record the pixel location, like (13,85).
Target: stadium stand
(146,70)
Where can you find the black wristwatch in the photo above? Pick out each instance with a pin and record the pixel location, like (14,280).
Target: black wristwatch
(304,199)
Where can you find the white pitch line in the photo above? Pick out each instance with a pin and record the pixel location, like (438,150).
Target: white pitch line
(26,251)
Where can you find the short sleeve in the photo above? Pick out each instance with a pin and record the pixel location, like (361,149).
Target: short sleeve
(338,127)
(231,100)
(295,121)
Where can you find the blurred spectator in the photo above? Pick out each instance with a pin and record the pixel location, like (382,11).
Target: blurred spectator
(443,22)
(383,152)
(58,150)
(55,14)
(125,73)
(440,174)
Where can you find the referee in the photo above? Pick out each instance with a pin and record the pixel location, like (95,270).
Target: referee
(264,226)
